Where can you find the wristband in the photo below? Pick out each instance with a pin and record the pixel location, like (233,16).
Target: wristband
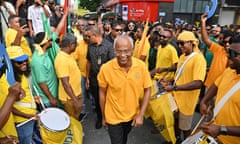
(175,88)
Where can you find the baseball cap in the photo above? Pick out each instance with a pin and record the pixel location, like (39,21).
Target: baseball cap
(16,53)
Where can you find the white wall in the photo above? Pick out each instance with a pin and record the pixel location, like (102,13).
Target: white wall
(226,17)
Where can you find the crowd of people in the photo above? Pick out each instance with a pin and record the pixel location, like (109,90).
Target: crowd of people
(116,64)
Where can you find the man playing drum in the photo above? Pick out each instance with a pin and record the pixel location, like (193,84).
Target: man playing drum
(7,98)
(188,80)
(226,126)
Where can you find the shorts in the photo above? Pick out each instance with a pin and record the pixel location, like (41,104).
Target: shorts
(184,121)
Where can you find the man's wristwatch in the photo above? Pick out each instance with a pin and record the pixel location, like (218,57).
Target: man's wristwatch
(175,88)
(223,130)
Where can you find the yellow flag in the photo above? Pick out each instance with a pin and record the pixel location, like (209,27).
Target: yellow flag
(143,39)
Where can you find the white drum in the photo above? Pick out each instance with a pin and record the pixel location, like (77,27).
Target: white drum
(199,138)
(54,119)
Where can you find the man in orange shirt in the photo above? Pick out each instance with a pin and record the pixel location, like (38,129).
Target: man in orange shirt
(121,82)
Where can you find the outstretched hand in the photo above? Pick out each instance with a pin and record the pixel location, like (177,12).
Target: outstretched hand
(204,17)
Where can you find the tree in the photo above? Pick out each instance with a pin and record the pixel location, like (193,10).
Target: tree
(91,5)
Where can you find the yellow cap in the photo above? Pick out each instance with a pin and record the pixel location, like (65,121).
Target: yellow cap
(16,53)
(189,36)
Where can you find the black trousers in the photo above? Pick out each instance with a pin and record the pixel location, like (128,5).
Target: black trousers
(119,132)
(94,89)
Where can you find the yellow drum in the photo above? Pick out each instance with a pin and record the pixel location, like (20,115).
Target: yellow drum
(54,123)
(162,115)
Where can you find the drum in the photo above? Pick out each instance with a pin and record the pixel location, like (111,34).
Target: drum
(162,116)
(54,123)
(200,138)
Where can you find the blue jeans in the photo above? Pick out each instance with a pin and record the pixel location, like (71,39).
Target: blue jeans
(84,94)
(25,132)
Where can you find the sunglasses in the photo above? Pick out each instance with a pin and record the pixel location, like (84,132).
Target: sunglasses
(232,53)
(182,43)
(91,24)
(225,42)
(21,62)
(118,30)
(163,36)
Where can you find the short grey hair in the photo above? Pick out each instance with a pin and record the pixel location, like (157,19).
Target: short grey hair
(125,37)
(94,29)
(68,38)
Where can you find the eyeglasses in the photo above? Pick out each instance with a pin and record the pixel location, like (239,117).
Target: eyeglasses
(182,43)
(91,24)
(118,30)
(232,53)
(119,52)
(21,62)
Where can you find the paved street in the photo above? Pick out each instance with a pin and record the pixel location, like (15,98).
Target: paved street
(141,135)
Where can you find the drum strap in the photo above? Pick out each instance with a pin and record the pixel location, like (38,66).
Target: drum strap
(181,68)
(225,98)
(24,104)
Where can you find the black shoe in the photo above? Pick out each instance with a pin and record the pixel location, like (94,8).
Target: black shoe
(179,140)
(98,124)
(82,116)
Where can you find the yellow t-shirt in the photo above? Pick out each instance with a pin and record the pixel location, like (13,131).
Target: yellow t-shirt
(27,99)
(10,37)
(166,57)
(9,127)
(145,51)
(230,112)
(194,69)
(218,65)
(80,54)
(77,34)
(123,89)
(66,66)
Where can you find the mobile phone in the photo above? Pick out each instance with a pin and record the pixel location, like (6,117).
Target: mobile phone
(22,22)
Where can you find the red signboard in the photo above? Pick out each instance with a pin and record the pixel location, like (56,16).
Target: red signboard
(140,10)
(109,3)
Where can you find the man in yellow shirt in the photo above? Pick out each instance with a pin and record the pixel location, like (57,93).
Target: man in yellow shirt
(15,35)
(69,77)
(80,55)
(145,52)
(226,125)
(26,107)
(121,82)
(167,57)
(7,98)
(188,80)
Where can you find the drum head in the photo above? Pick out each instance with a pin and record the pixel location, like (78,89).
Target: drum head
(54,119)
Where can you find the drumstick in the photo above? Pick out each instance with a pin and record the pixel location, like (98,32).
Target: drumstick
(200,121)
(35,89)
(23,123)
(6,135)
(32,118)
